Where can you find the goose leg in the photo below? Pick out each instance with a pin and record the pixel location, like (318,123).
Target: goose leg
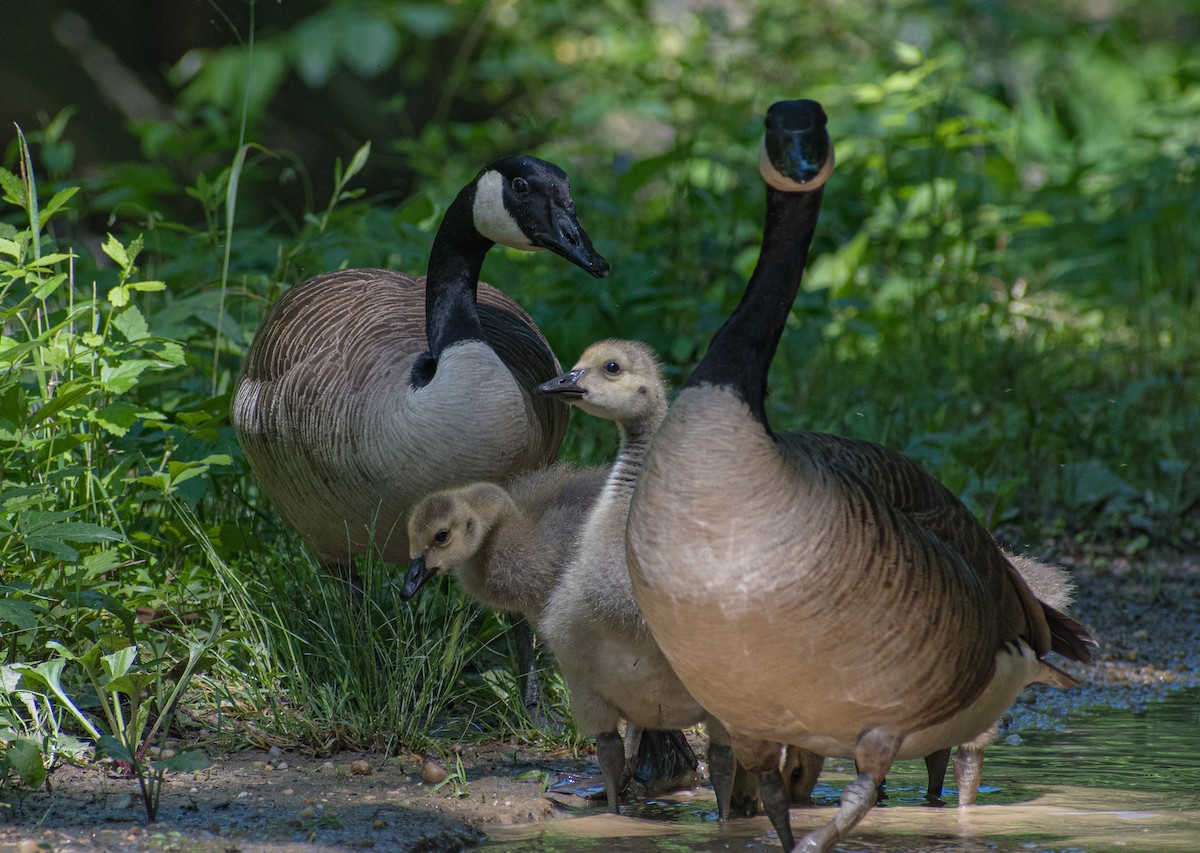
(611,752)
(968,763)
(762,758)
(935,767)
(873,757)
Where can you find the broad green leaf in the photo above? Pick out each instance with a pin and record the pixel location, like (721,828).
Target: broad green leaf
(131,324)
(118,663)
(121,377)
(182,762)
(116,418)
(19,613)
(118,296)
(25,758)
(114,748)
(113,248)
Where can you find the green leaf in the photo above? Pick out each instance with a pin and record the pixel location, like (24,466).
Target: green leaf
(113,248)
(19,613)
(120,378)
(358,161)
(182,762)
(119,663)
(25,758)
(131,324)
(60,198)
(118,296)
(114,748)
(68,394)
(14,188)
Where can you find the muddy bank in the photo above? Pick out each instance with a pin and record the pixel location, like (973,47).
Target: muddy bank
(1145,612)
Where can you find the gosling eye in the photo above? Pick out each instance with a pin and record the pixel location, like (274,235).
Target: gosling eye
(612,368)
(442,537)
(520,186)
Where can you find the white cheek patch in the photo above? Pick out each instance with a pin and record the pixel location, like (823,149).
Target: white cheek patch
(782,182)
(492,219)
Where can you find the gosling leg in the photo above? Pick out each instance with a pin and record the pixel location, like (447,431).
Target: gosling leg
(611,752)
(527,677)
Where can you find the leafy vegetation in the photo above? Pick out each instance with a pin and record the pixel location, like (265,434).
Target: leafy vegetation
(1005,285)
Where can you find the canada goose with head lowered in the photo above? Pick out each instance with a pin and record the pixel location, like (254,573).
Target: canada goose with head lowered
(613,668)
(365,389)
(800,600)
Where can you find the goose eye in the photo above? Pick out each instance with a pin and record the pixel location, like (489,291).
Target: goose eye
(441,537)
(520,186)
(612,368)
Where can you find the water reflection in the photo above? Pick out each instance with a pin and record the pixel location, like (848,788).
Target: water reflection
(1109,779)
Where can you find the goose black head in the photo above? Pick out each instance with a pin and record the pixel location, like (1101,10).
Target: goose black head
(796,153)
(526,203)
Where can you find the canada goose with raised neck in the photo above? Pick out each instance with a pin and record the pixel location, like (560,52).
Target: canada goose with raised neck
(799,602)
(613,668)
(365,389)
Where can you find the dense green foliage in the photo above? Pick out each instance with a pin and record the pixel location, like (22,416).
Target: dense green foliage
(1005,285)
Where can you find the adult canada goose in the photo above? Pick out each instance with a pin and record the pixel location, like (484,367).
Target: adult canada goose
(365,389)
(804,599)
(613,668)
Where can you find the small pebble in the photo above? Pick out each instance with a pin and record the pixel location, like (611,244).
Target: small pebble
(275,752)
(326,767)
(27,846)
(1013,740)
(283,765)
(432,772)
(307,813)
(287,792)
(379,824)
(1131,654)
(361,768)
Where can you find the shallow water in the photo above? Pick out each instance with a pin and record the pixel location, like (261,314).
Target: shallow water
(1107,779)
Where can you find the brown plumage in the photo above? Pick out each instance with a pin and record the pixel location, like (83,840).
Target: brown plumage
(366,389)
(805,600)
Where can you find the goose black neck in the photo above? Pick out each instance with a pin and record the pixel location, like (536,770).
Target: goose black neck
(740,354)
(452,279)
